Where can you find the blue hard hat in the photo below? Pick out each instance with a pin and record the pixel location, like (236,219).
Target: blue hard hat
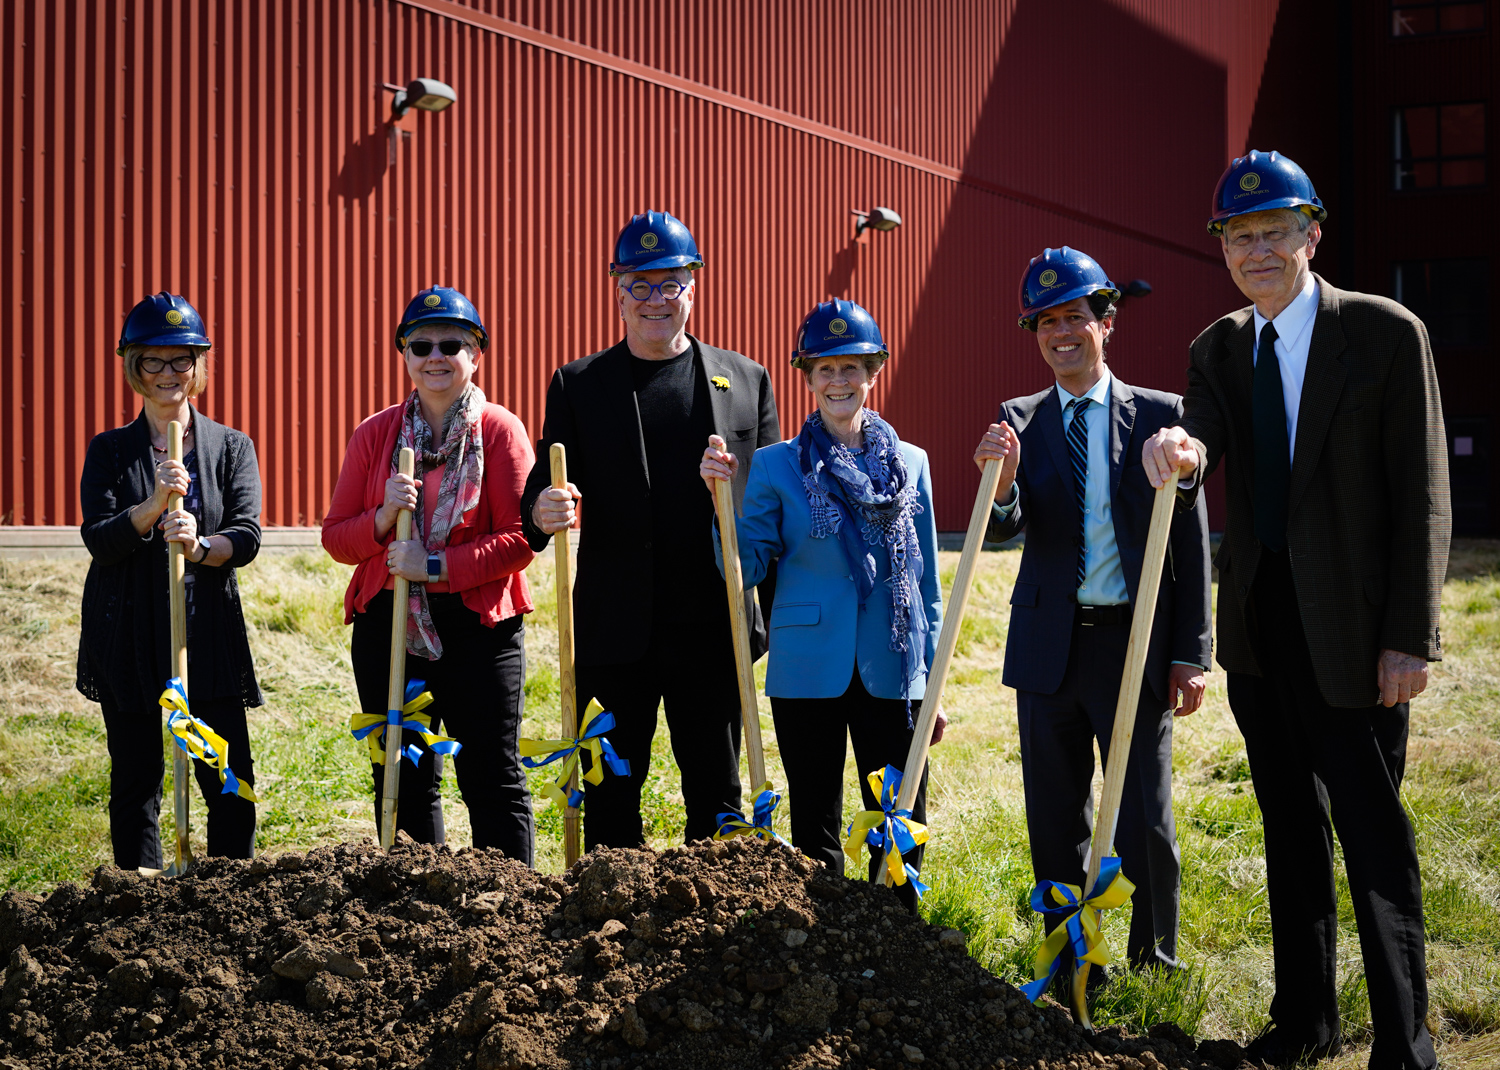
(834,328)
(1260,182)
(1057,277)
(163,320)
(652,241)
(440,304)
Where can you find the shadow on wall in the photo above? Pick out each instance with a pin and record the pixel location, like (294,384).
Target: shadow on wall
(1081,122)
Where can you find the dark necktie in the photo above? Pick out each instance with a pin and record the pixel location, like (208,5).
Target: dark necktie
(1273,467)
(1078,450)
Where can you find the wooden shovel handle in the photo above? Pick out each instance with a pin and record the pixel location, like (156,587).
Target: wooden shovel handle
(396,688)
(734,586)
(182,771)
(567,678)
(953,619)
(1142,616)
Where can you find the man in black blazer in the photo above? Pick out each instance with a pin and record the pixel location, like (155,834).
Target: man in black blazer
(651,623)
(1069,479)
(1323,407)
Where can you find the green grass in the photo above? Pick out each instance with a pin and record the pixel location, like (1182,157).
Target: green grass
(315,783)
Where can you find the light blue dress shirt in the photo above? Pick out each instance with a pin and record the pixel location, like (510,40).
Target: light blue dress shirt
(1103,578)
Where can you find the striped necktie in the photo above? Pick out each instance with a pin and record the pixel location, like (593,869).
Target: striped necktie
(1078,450)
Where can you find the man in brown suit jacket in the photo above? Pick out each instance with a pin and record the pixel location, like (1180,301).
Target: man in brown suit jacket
(1330,579)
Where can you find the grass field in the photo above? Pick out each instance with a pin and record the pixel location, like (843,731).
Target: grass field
(314,780)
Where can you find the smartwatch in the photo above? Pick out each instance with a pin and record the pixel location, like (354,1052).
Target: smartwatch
(434,567)
(207,546)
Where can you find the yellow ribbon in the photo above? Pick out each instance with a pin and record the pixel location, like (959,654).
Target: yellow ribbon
(363,726)
(887,829)
(1079,927)
(201,741)
(570,752)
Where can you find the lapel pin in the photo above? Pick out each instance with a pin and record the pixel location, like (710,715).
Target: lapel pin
(720,382)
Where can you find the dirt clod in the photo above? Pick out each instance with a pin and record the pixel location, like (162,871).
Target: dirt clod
(734,955)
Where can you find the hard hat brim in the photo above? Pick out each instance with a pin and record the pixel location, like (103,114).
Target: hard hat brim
(1317,211)
(616,270)
(862,349)
(176,338)
(1027,319)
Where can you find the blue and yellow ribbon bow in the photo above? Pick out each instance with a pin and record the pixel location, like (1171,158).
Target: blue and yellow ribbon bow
(596,722)
(732,823)
(1079,927)
(410,716)
(888,829)
(201,741)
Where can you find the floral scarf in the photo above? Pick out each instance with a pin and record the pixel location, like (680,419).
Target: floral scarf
(880,505)
(463,454)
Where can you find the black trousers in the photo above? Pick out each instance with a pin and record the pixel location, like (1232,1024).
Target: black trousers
(812,733)
(136,771)
(1319,769)
(479,691)
(693,676)
(1057,766)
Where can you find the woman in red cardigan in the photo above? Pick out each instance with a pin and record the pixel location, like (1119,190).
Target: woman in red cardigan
(465,633)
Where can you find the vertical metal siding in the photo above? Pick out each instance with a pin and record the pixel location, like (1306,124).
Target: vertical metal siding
(237,153)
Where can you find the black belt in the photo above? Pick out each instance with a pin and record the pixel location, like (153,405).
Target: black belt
(1088,616)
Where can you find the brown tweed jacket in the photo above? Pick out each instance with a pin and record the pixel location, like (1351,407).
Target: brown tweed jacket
(1369,519)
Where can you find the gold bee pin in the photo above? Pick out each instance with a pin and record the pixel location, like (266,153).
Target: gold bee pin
(720,382)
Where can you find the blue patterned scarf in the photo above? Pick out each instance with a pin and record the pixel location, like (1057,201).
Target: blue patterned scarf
(880,506)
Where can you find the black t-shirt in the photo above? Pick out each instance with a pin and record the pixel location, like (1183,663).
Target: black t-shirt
(676,420)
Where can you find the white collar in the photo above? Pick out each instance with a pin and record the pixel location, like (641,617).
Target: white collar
(1098,393)
(1293,320)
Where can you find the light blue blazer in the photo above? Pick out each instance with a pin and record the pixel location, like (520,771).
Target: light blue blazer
(819,629)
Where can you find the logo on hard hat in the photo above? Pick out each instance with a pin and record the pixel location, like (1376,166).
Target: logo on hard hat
(432,300)
(649,240)
(1048,278)
(174,317)
(837,326)
(1249,181)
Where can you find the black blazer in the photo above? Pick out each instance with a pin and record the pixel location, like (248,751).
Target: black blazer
(1042,604)
(591,410)
(124,651)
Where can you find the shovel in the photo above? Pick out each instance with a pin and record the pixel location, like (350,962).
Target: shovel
(396,689)
(567,679)
(177,600)
(734,586)
(1125,710)
(953,618)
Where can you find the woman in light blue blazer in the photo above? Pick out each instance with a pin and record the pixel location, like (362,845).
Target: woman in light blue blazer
(845,510)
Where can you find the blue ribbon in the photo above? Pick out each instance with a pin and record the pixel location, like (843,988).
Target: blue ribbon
(888,829)
(732,823)
(1079,927)
(569,752)
(409,716)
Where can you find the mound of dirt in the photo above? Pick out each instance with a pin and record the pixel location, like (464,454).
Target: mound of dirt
(732,955)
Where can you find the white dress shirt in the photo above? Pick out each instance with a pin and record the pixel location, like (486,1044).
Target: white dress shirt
(1293,338)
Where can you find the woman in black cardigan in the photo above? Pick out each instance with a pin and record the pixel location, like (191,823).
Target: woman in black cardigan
(124,660)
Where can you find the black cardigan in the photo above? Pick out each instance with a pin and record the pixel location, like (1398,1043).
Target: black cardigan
(124,654)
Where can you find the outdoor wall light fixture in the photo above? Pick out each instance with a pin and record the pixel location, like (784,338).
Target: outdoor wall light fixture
(429,94)
(874,219)
(1136,288)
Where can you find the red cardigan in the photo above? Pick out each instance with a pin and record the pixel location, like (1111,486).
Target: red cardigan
(486,552)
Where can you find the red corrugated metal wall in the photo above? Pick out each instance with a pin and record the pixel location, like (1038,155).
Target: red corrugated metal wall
(237,153)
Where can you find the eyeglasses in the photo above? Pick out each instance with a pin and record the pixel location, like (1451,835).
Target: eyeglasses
(670,289)
(152,365)
(448,347)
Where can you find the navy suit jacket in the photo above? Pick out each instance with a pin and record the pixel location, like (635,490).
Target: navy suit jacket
(1043,602)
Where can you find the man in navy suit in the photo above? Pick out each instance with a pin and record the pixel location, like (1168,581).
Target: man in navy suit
(1078,490)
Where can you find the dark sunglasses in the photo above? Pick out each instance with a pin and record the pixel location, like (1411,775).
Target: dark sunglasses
(448,347)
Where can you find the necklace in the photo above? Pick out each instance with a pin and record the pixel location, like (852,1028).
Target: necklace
(185,436)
